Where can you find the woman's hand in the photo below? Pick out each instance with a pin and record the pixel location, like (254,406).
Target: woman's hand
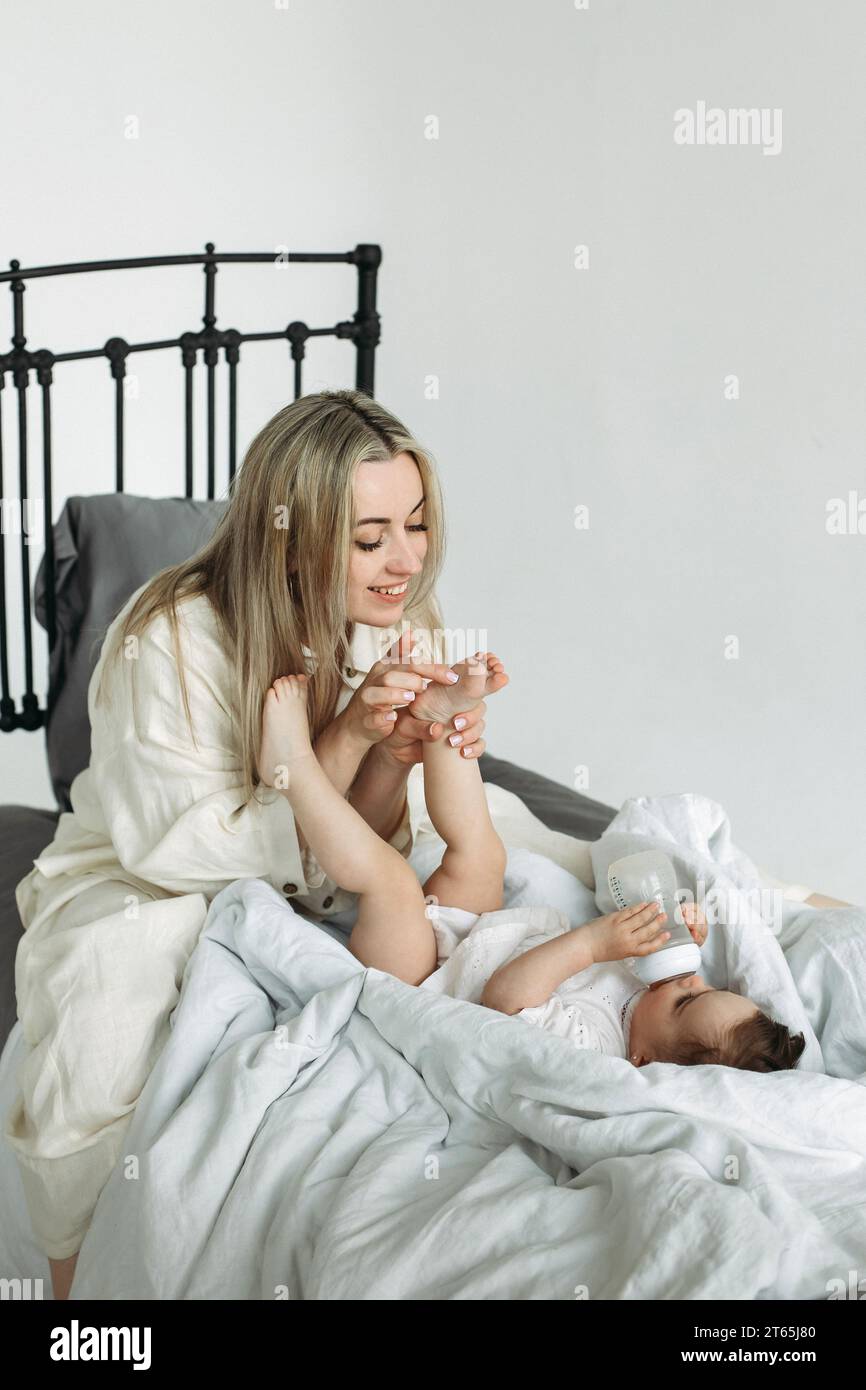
(390,684)
(406,741)
(635,931)
(383,703)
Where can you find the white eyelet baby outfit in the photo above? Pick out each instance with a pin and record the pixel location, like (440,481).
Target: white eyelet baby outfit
(593,1008)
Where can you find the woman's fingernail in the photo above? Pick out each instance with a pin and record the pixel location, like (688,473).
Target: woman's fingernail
(460,723)
(392,715)
(468,752)
(455,739)
(452,676)
(408,694)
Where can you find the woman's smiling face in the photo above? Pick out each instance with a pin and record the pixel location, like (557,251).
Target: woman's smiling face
(389,541)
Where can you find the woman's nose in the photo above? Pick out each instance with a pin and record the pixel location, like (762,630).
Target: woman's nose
(404,560)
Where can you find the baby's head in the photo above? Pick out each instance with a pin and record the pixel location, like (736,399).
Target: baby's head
(688,1022)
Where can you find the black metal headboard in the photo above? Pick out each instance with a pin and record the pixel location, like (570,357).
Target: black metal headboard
(362,329)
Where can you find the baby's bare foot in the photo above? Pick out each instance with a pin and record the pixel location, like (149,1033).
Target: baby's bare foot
(285,730)
(480,675)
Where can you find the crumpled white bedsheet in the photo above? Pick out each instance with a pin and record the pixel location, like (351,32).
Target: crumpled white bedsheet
(317,1130)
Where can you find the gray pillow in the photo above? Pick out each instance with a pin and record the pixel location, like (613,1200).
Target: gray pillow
(558,806)
(105,548)
(24,833)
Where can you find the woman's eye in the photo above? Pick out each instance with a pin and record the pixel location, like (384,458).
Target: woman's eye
(682,999)
(374,545)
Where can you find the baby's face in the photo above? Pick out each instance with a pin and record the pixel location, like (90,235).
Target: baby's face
(667,1013)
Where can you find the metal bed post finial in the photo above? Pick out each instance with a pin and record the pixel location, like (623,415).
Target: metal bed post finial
(117,351)
(211,358)
(367,257)
(7,704)
(31,715)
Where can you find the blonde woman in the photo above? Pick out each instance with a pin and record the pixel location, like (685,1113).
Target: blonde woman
(332,535)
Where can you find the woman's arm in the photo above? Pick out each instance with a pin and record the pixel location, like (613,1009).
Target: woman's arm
(340,752)
(379,791)
(353,739)
(373,781)
(373,775)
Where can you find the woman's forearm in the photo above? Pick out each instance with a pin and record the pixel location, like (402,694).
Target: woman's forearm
(373,782)
(339,754)
(379,791)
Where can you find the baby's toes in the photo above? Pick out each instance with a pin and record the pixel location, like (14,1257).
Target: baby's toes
(474,674)
(491,661)
(476,665)
(494,672)
(290,687)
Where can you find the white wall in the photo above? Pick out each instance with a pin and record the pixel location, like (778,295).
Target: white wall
(305,127)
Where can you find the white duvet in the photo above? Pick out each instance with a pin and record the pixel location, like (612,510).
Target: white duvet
(317,1130)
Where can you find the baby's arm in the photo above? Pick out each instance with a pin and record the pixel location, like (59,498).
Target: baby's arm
(531,978)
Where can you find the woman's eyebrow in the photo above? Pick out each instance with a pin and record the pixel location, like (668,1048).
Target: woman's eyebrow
(386,520)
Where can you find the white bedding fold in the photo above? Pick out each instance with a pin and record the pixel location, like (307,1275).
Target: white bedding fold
(317,1130)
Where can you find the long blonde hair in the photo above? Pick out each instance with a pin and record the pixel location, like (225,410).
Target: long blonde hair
(292,503)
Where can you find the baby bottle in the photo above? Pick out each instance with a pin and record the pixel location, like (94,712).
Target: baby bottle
(638,878)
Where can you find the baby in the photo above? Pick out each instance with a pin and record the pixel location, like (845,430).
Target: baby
(574,984)
(571,983)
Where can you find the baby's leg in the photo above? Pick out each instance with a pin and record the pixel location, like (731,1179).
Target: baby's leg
(392,931)
(473,865)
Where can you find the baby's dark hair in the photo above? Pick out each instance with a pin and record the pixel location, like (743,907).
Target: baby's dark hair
(759,1043)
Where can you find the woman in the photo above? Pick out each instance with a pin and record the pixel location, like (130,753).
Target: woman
(335,503)
(333,532)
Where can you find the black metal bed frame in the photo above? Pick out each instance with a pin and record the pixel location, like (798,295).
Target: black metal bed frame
(362,329)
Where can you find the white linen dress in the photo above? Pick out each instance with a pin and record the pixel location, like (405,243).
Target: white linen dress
(113,907)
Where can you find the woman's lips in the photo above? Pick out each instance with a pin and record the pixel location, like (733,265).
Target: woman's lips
(389,598)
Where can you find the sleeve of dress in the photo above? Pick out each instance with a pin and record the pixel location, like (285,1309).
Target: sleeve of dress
(565,1020)
(175,806)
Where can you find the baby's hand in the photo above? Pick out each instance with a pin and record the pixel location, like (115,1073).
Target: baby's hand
(695,921)
(635,931)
